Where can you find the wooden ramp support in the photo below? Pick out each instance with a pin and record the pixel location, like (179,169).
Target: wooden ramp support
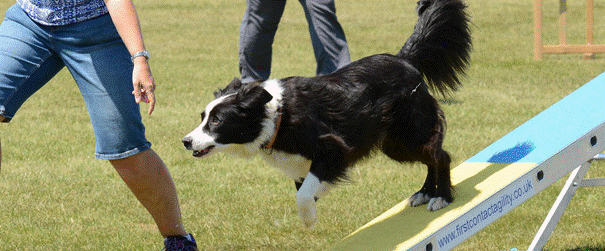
(588,49)
(499,178)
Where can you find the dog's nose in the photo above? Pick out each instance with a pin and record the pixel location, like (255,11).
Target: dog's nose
(187,142)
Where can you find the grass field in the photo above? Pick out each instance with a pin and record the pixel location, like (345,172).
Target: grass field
(54,195)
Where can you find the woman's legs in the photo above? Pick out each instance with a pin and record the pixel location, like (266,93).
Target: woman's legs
(149,180)
(28,62)
(327,36)
(257,33)
(100,64)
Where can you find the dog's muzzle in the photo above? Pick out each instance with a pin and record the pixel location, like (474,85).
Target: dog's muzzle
(188,143)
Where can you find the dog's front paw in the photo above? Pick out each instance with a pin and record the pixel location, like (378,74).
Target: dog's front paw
(419,198)
(437,203)
(307,211)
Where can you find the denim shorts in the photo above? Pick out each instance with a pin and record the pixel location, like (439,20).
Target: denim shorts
(95,55)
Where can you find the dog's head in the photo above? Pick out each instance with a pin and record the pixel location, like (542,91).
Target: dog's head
(235,117)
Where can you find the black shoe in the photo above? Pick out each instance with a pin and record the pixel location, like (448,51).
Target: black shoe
(180,243)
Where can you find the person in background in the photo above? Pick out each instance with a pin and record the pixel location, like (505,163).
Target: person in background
(259,25)
(100,42)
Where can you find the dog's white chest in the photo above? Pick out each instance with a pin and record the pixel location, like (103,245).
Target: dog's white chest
(293,165)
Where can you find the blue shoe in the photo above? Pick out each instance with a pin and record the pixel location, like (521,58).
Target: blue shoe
(180,243)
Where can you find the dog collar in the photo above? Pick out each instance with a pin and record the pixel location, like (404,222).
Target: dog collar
(277,123)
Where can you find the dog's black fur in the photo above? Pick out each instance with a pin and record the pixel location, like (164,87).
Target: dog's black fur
(378,102)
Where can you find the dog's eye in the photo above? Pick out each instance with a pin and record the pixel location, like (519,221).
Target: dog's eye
(214,121)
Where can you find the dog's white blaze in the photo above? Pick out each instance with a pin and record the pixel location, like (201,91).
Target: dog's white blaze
(211,106)
(200,138)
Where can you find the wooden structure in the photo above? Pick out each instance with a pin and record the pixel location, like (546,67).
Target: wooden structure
(588,49)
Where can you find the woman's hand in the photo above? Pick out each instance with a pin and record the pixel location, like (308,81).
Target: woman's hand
(143,83)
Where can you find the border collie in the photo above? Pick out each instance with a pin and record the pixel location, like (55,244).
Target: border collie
(315,128)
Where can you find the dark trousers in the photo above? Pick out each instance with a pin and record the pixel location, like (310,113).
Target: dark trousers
(260,23)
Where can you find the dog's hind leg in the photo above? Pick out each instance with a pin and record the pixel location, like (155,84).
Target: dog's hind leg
(418,137)
(438,162)
(427,191)
(436,190)
(395,149)
(441,182)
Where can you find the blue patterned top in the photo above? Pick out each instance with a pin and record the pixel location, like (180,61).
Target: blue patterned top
(62,12)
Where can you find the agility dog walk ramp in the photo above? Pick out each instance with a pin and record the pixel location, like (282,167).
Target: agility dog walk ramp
(561,139)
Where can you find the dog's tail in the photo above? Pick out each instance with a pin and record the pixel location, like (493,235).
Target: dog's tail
(440,45)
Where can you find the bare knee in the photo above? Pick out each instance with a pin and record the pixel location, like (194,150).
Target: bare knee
(138,171)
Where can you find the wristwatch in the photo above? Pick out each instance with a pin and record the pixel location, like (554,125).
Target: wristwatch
(144,53)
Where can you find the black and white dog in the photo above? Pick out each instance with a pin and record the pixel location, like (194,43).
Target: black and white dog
(315,128)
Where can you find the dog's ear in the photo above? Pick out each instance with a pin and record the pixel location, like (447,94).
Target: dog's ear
(253,97)
(422,6)
(234,86)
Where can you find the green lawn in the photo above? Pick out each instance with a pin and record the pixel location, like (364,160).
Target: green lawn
(54,195)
